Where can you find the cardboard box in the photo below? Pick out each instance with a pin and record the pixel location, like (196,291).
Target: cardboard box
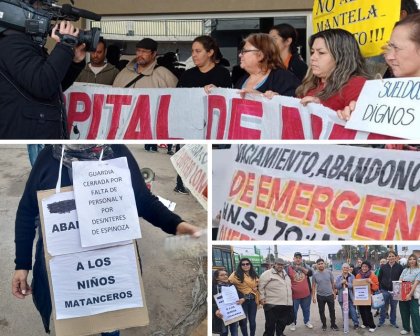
(400,290)
(362,292)
(88,325)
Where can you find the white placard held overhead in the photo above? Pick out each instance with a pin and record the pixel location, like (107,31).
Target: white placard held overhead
(105,201)
(94,282)
(62,232)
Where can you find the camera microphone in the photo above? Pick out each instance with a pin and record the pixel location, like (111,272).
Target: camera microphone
(70,10)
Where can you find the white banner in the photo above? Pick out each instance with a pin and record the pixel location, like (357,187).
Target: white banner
(190,162)
(306,192)
(94,282)
(389,105)
(105,201)
(62,231)
(189,113)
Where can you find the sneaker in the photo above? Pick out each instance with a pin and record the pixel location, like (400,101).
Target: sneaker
(293,327)
(404,332)
(324,327)
(372,329)
(395,325)
(170,152)
(355,327)
(181,191)
(363,326)
(309,325)
(334,327)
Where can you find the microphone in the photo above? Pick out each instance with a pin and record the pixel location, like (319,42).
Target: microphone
(70,10)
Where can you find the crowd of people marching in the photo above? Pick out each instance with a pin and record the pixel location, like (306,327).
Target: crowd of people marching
(285,287)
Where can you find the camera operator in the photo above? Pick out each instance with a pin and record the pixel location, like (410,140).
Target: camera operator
(31,83)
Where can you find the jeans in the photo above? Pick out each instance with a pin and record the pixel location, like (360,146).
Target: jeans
(33,151)
(233,330)
(393,303)
(352,312)
(305,303)
(112,333)
(250,309)
(329,300)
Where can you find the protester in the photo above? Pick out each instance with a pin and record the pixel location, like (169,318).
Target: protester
(206,71)
(402,55)
(285,36)
(246,281)
(345,280)
(299,274)
(410,307)
(323,291)
(377,271)
(143,71)
(337,70)
(366,311)
(220,279)
(276,297)
(358,266)
(44,176)
(389,272)
(266,72)
(98,70)
(31,83)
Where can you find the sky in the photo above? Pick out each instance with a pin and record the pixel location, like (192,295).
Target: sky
(315,251)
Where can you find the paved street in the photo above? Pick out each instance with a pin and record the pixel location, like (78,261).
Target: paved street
(168,282)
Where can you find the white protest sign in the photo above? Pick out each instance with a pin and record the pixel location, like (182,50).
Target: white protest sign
(94,282)
(230,294)
(190,163)
(190,113)
(389,106)
(231,312)
(62,225)
(105,201)
(361,292)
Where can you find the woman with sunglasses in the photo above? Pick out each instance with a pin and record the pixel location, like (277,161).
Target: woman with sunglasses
(246,281)
(266,72)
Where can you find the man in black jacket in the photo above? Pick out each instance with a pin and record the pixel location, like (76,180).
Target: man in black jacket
(31,84)
(389,272)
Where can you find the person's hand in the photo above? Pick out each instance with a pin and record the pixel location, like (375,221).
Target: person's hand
(187,228)
(262,301)
(20,287)
(79,53)
(345,113)
(218,314)
(270,94)
(244,92)
(314,299)
(64,28)
(209,87)
(310,99)
(240,301)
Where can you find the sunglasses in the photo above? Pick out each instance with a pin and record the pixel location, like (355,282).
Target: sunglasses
(245,264)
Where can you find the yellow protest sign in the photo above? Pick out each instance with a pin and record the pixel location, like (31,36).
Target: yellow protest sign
(370,21)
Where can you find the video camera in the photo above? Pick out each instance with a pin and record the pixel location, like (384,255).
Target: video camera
(36,20)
